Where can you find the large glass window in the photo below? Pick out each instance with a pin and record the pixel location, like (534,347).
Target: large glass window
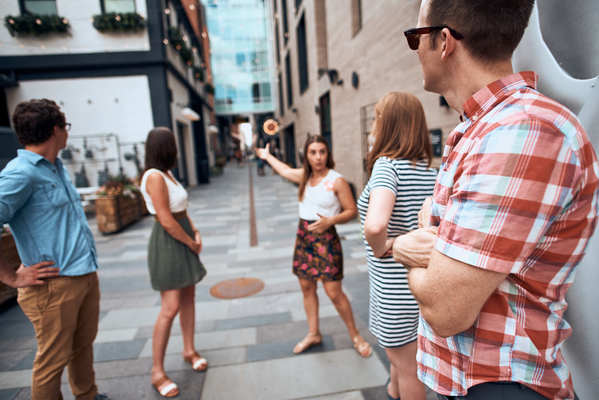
(118,6)
(285,23)
(302,55)
(288,76)
(41,7)
(281,102)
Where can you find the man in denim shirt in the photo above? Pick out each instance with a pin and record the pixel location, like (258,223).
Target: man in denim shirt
(42,208)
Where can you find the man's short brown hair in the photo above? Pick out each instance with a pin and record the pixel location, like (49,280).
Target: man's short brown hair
(34,120)
(492,29)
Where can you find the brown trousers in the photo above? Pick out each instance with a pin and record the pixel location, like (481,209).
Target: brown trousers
(64,313)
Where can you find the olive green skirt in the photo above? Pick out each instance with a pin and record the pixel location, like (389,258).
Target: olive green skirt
(172,264)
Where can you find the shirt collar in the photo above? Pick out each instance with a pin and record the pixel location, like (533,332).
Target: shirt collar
(35,158)
(485,98)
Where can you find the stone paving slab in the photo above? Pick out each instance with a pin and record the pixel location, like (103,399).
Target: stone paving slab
(293,378)
(208,341)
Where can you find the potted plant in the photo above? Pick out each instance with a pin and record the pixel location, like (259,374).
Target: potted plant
(119,203)
(38,25)
(119,22)
(8,249)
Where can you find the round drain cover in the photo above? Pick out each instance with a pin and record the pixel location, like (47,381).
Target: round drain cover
(236,288)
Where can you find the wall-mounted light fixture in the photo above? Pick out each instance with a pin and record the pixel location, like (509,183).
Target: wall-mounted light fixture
(189,114)
(333,75)
(443,102)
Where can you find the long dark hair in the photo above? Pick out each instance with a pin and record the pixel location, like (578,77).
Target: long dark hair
(400,131)
(161,149)
(306,165)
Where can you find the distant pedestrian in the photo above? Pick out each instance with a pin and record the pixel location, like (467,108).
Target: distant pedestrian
(43,209)
(325,200)
(173,259)
(400,179)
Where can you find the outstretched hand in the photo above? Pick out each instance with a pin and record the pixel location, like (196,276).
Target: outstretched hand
(35,274)
(321,225)
(264,152)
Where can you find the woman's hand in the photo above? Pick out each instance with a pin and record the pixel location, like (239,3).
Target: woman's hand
(198,240)
(424,215)
(263,153)
(321,225)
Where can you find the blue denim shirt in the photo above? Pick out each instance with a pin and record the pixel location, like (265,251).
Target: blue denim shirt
(43,210)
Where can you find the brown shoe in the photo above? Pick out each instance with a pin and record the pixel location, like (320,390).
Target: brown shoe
(362,346)
(311,339)
(166,387)
(198,363)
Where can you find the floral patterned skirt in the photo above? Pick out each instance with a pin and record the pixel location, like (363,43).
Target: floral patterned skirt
(317,256)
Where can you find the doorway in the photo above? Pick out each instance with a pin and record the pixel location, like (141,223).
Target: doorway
(290,145)
(325,119)
(181,171)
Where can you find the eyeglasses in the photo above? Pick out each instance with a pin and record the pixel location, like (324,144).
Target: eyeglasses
(67,126)
(413,35)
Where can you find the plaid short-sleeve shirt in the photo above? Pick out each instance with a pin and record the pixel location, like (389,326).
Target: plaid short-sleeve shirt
(517,193)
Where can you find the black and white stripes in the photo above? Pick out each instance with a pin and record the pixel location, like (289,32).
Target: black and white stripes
(393,310)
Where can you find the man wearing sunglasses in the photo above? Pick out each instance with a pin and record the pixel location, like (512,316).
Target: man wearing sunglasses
(58,285)
(515,204)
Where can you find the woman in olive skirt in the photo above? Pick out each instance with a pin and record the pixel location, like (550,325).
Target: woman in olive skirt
(173,259)
(325,199)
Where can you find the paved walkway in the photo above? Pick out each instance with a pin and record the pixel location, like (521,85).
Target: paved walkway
(247,341)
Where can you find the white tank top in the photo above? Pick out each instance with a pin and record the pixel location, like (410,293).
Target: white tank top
(177,195)
(320,199)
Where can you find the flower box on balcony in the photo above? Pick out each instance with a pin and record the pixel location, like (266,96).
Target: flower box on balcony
(119,22)
(38,25)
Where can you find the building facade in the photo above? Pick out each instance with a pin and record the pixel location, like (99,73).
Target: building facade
(333,62)
(241,56)
(118,69)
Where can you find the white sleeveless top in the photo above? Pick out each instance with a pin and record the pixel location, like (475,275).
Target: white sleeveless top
(177,195)
(320,199)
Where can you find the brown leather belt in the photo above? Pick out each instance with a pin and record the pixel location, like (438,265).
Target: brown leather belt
(176,215)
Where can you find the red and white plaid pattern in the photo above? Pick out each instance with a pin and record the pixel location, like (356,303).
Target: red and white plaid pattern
(517,193)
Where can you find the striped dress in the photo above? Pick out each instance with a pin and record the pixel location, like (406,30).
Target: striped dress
(393,316)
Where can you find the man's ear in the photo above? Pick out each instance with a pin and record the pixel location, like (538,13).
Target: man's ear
(448,43)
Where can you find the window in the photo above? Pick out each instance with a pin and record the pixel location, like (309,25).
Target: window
(277,42)
(281,102)
(41,7)
(256,92)
(285,24)
(302,55)
(288,78)
(356,12)
(117,6)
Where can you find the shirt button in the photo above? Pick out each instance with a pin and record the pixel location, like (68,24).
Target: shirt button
(475,118)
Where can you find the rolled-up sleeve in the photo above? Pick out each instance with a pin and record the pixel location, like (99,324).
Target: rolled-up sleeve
(15,190)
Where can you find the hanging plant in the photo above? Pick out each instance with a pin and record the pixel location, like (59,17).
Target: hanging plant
(38,25)
(119,22)
(198,73)
(175,38)
(209,88)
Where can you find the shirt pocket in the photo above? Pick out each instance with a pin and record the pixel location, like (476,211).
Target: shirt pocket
(56,195)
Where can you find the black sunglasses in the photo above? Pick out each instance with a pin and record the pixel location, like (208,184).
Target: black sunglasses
(413,35)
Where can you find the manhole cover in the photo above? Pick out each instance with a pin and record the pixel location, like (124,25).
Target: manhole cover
(236,288)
